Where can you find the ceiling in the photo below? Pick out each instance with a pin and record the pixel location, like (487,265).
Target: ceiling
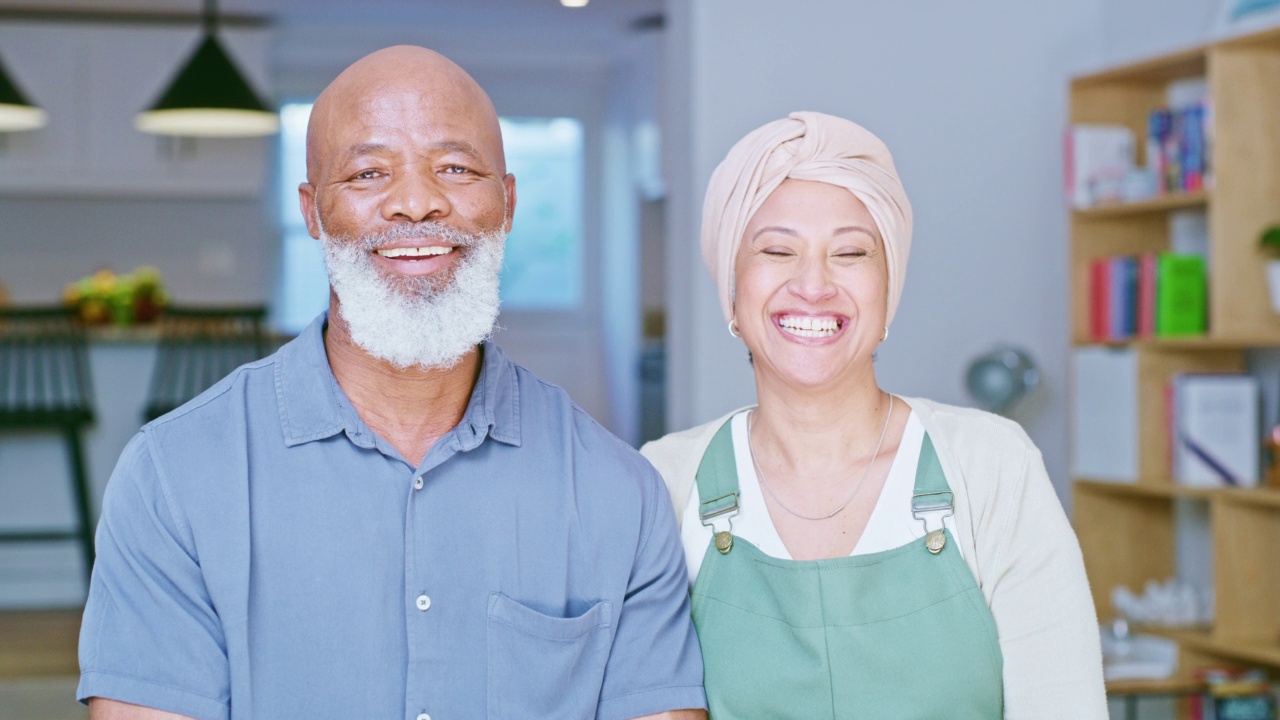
(600,19)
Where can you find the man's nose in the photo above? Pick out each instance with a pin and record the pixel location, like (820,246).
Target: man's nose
(415,195)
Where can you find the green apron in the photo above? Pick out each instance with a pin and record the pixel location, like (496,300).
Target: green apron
(903,633)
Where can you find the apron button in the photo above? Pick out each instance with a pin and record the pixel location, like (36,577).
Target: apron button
(724,542)
(935,541)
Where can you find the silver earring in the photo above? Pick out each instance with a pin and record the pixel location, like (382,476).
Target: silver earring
(885,336)
(733,328)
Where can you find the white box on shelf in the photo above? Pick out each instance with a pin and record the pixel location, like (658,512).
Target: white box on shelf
(1105,421)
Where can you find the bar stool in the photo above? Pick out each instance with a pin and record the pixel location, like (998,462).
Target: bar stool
(198,346)
(44,385)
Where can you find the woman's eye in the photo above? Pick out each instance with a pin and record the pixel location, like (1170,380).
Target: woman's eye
(851,253)
(776,252)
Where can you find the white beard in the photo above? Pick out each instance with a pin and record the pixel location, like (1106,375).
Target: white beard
(408,321)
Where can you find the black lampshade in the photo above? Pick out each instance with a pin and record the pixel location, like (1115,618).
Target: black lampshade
(211,98)
(16,112)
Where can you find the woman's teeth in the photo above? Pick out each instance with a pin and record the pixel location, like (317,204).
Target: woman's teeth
(810,327)
(414,252)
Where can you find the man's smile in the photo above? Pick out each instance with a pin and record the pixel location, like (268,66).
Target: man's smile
(412,253)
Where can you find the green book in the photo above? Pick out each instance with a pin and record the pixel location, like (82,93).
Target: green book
(1181,297)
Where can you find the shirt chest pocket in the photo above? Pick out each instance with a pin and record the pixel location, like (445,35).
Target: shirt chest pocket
(542,666)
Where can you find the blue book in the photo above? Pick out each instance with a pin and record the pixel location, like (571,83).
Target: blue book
(1117,304)
(1159,128)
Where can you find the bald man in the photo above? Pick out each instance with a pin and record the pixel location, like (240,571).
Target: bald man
(388,518)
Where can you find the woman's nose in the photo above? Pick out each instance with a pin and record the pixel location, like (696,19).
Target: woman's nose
(414,196)
(812,281)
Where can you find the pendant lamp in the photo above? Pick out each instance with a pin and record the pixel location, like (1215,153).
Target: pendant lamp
(16,112)
(209,97)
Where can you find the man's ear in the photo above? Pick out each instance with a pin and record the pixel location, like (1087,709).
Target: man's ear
(307,201)
(509,182)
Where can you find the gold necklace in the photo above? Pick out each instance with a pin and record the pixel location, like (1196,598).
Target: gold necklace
(765,481)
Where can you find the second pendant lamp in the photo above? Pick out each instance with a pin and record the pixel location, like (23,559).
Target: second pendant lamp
(209,97)
(16,112)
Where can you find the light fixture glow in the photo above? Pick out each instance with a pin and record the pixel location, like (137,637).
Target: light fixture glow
(574,3)
(16,112)
(208,122)
(209,97)
(14,118)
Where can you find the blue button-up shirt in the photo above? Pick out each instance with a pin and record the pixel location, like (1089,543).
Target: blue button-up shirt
(263,554)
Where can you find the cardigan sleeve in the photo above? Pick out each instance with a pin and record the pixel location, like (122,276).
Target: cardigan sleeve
(1035,583)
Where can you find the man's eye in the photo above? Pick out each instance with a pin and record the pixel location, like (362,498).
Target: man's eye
(456,170)
(366,175)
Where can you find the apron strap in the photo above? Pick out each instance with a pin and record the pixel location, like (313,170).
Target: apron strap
(717,481)
(932,500)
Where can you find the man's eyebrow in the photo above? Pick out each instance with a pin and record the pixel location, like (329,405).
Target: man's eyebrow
(376,148)
(465,148)
(368,148)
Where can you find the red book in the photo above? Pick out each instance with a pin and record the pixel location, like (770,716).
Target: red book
(1147,295)
(1099,299)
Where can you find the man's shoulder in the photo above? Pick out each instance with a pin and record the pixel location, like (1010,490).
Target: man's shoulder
(254,380)
(547,409)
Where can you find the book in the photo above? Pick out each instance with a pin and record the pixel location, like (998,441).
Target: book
(1178,144)
(1180,295)
(1118,321)
(1098,158)
(1217,431)
(1098,291)
(1105,422)
(1146,324)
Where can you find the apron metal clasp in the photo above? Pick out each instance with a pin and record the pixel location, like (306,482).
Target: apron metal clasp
(932,508)
(723,507)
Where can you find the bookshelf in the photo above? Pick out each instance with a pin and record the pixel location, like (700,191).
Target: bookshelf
(1128,530)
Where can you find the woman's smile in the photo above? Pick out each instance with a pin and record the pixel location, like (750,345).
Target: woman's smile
(810,329)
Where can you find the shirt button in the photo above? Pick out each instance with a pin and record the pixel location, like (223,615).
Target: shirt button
(424,602)
(417,485)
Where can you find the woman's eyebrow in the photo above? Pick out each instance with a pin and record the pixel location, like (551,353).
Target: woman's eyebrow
(775,229)
(854,228)
(792,233)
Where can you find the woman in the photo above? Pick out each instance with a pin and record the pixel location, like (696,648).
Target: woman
(852,553)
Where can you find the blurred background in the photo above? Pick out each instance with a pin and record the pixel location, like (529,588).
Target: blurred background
(614,114)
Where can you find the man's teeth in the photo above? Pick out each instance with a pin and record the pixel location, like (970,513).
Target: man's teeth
(810,327)
(414,252)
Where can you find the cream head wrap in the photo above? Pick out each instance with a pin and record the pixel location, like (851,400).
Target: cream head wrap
(804,146)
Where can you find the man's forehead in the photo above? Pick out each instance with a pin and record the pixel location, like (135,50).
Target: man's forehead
(423,100)
(390,125)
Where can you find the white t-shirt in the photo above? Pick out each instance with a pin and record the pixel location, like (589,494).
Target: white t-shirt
(890,525)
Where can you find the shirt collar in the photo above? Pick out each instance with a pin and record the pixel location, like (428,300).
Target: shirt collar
(313,405)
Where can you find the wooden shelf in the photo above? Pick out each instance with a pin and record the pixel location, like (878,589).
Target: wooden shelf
(1188,63)
(1188,342)
(1158,204)
(1129,532)
(1166,686)
(1202,641)
(1261,497)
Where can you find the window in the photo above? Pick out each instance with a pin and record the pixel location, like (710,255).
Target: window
(543,268)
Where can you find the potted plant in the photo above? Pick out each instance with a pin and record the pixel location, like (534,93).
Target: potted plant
(1270,242)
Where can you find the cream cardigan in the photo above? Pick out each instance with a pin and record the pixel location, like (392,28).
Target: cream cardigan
(1015,539)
